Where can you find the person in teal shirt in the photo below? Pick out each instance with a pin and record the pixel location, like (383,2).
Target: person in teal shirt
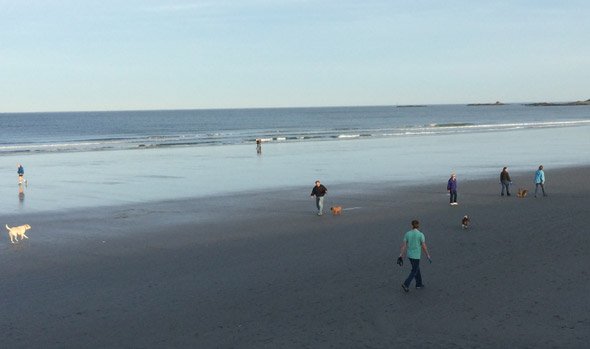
(413,244)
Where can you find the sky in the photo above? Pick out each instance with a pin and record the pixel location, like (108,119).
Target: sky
(72,55)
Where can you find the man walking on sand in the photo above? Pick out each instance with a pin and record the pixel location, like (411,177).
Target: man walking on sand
(319,191)
(413,244)
(540,180)
(505,181)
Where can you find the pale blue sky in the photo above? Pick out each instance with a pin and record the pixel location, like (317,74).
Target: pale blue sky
(66,55)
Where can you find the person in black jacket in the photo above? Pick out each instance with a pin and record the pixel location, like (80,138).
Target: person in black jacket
(319,191)
(505,181)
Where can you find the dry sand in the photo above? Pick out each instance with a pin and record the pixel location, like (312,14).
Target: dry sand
(261,270)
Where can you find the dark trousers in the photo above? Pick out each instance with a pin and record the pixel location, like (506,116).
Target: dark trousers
(506,184)
(542,188)
(415,273)
(453,195)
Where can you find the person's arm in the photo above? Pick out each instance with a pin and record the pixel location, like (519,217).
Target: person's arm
(403,249)
(425,249)
(313,191)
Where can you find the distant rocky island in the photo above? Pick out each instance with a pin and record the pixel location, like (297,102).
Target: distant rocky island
(484,104)
(411,106)
(560,104)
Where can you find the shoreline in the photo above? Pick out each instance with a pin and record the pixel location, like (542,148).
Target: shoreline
(98,179)
(266,271)
(298,191)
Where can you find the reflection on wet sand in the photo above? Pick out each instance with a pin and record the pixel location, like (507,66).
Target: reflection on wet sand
(21,195)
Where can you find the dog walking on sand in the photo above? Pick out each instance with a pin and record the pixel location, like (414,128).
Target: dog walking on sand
(465,222)
(16,232)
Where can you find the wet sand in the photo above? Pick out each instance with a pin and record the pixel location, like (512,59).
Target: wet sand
(262,270)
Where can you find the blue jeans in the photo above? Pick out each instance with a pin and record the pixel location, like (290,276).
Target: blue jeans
(506,184)
(453,195)
(415,273)
(319,202)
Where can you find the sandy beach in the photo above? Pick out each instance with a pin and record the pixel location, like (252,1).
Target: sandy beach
(260,270)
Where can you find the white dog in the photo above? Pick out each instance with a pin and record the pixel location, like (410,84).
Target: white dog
(14,232)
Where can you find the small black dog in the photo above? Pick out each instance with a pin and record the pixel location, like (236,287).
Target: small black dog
(465,222)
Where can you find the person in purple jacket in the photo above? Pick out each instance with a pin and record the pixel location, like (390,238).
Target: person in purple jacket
(452,188)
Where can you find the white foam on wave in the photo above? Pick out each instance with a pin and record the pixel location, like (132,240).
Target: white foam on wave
(248,136)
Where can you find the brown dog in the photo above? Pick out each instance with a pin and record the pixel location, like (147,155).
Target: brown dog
(336,210)
(465,222)
(522,193)
(14,232)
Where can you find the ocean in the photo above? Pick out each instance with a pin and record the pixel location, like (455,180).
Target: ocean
(90,131)
(79,160)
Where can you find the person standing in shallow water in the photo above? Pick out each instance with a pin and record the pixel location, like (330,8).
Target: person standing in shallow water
(319,191)
(21,173)
(505,181)
(540,180)
(413,244)
(258,146)
(452,188)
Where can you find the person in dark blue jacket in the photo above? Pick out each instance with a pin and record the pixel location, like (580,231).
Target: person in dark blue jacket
(452,188)
(21,173)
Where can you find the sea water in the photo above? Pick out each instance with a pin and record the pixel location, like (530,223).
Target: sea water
(75,160)
(87,131)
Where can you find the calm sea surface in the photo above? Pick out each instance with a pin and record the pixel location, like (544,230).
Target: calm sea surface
(84,131)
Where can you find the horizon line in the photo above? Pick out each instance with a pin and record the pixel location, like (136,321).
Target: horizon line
(277,107)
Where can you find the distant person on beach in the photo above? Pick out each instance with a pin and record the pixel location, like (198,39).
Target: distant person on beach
(452,188)
(21,173)
(540,180)
(505,181)
(258,146)
(319,191)
(413,244)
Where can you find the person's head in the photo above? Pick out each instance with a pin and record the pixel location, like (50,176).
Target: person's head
(453,176)
(541,167)
(505,168)
(317,183)
(415,224)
